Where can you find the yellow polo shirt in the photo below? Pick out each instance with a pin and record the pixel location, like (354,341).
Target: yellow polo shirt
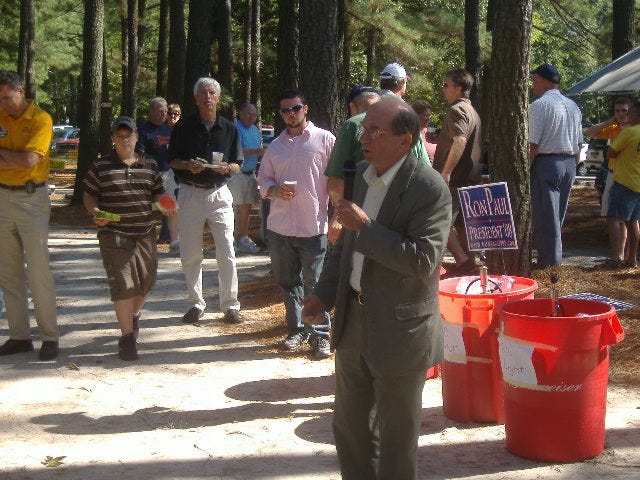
(627,171)
(31,132)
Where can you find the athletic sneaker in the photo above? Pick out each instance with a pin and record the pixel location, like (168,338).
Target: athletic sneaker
(321,347)
(295,340)
(246,245)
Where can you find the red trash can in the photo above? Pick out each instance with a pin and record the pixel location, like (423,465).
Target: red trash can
(471,377)
(555,373)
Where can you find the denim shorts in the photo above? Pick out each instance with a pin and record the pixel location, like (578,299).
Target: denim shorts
(624,203)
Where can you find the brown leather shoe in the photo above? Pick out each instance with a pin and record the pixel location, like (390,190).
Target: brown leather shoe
(48,350)
(12,346)
(233,316)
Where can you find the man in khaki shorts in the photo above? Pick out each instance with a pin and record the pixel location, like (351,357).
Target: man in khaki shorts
(123,183)
(243,185)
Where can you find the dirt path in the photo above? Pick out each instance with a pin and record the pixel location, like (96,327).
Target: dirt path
(204,403)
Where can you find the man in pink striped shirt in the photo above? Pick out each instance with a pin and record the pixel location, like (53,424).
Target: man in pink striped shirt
(292,175)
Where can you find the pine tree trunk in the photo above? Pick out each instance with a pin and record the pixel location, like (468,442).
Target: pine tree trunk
(106,108)
(288,67)
(177,53)
(198,58)
(129,94)
(163,50)
(371,54)
(256,63)
(26,49)
(623,27)
(507,126)
(319,61)
(225,58)
(248,50)
(92,58)
(473,62)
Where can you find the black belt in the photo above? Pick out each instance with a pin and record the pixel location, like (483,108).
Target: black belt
(21,188)
(555,155)
(211,186)
(358,296)
(248,172)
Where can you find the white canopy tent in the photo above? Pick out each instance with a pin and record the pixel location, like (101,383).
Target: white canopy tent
(622,76)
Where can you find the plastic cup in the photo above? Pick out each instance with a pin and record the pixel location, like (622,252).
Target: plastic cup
(217,157)
(291,184)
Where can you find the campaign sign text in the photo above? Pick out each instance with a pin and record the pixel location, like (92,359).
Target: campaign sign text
(488,218)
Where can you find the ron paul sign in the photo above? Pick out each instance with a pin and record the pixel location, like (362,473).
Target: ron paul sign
(488,218)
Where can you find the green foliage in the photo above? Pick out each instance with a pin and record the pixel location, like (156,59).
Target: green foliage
(426,36)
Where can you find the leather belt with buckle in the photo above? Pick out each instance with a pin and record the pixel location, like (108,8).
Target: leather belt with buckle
(211,186)
(29,187)
(358,296)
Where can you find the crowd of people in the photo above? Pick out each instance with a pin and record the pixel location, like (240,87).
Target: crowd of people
(357,225)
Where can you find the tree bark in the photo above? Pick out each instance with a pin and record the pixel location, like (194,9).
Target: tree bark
(248,50)
(129,93)
(225,57)
(319,60)
(287,50)
(507,126)
(92,58)
(106,108)
(371,54)
(163,50)
(623,27)
(199,41)
(473,61)
(256,57)
(26,48)
(177,53)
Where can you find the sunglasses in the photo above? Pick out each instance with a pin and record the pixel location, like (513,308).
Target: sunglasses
(295,109)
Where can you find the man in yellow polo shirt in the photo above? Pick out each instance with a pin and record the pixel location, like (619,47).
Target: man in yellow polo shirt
(624,198)
(25,136)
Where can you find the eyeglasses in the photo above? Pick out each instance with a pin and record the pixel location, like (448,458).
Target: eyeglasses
(372,133)
(294,108)
(174,114)
(124,137)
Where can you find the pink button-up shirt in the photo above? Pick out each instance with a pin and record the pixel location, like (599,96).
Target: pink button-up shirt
(302,158)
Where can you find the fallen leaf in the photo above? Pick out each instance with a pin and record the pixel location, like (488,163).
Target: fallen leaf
(53,461)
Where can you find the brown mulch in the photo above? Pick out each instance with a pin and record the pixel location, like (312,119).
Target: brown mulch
(583,229)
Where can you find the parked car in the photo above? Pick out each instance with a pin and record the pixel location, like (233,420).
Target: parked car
(595,154)
(60,132)
(268,134)
(581,168)
(69,146)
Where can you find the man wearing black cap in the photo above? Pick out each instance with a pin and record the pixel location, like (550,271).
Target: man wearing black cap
(347,152)
(126,183)
(555,136)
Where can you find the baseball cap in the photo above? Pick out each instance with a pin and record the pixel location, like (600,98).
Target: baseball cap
(393,70)
(126,122)
(358,90)
(548,72)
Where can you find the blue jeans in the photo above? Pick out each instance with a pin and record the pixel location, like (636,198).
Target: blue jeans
(297,263)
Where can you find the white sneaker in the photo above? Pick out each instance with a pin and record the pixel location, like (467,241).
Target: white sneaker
(246,245)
